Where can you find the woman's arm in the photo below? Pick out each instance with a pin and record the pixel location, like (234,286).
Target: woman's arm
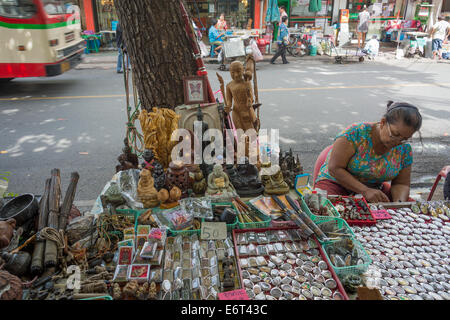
(400,185)
(340,156)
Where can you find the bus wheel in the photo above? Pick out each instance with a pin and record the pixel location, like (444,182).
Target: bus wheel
(5,80)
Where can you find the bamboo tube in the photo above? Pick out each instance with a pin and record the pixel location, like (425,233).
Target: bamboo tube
(68,200)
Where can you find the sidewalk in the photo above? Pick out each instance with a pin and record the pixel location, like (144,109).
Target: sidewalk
(387,54)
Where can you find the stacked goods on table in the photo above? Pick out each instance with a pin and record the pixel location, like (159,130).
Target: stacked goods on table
(410,254)
(438,209)
(282,264)
(197,269)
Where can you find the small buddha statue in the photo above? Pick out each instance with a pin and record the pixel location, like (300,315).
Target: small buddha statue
(275,184)
(218,182)
(152,291)
(146,190)
(228,278)
(199,185)
(177,175)
(251,184)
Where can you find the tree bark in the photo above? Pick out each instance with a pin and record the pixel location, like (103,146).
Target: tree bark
(160,50)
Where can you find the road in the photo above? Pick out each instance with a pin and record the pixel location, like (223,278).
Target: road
(76,121)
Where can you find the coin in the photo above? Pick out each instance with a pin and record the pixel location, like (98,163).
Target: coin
(399,289)
(435,296)
(338,296)
(390,292)
(331,284)
(326,292)
(307,294)
(410,289)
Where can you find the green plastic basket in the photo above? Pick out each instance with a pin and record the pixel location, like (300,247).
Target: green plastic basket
(134,213)
(316,218)
(356,269)
(255,225)
(339,223)
(99,298)
(343,271)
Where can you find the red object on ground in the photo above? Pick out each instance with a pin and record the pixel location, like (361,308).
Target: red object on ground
(442,174)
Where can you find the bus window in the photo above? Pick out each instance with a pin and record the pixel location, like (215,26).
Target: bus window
(19,9)
(57,6)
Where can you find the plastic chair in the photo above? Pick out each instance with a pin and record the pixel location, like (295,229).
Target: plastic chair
(211,52)
(319,162)
(442,174)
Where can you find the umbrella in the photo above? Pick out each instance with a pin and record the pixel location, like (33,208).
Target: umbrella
(273,13)
(315,5)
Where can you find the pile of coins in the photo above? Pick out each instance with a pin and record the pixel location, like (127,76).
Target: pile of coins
(281,265)
(410,254)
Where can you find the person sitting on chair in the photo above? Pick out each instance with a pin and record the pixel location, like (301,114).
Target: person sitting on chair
(215,37)
(367,155)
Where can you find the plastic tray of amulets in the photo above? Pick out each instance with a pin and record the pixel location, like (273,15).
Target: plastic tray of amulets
(278,264)
(354,210)
(410,254)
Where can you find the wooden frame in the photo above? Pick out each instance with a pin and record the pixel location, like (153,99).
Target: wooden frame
(195,90)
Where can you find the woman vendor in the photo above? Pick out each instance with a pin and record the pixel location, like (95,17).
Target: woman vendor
(365,156)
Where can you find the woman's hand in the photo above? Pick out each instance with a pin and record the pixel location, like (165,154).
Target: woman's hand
(374,195)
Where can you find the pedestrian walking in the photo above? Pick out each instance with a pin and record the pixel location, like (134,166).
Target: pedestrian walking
(440,33)
(120,48)
(363,26)
(283,40)
(283,14)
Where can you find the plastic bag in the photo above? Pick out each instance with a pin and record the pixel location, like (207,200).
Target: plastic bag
(199,207)
(179,219)
(203,49)
(128,181)
(257,55)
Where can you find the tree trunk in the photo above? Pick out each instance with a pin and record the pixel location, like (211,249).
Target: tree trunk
(160,50)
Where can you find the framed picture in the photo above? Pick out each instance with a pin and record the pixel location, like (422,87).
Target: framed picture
(195,90)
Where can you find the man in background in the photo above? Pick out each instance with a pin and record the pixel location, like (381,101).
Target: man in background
(283,39)
(363,26)
(439,34)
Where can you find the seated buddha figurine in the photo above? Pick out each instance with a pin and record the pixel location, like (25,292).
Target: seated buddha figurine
(275,184)
(146,190)
(249,175)
(218,182)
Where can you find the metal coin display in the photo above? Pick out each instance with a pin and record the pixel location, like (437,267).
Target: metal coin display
(296,268)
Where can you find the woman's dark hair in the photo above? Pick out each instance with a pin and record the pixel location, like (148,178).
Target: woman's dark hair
(284,19)
(282,7)
(213,21)
(404,112)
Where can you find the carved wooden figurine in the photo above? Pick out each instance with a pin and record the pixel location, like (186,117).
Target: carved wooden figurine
(146,190)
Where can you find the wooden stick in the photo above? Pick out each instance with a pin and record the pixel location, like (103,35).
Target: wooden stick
(51,250)
(68,200)
(24,244)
